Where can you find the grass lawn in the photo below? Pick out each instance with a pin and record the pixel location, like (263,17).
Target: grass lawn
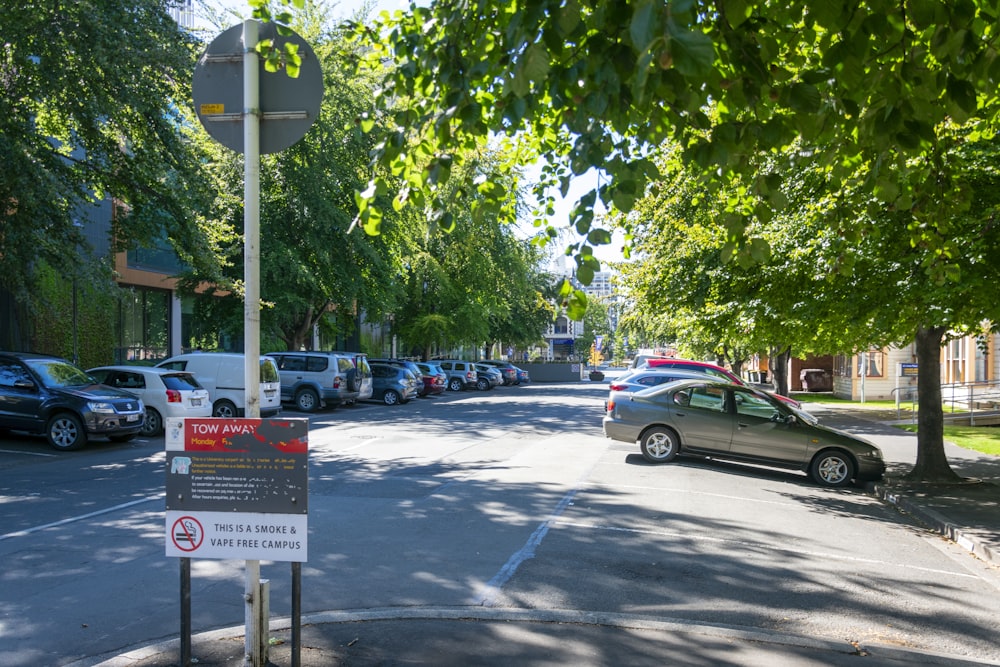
(985,439)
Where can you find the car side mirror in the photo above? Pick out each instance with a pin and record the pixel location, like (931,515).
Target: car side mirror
(25,384)
(784,419)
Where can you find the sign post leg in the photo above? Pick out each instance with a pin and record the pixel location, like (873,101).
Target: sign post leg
(251,299)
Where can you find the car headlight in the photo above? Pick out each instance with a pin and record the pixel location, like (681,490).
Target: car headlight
(101,407)
(873,454)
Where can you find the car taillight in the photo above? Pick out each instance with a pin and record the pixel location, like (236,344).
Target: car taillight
(173,396)
(618,387)
(609,405)
(336,382)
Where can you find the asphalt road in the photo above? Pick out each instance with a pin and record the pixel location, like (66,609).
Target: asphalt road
(509,499)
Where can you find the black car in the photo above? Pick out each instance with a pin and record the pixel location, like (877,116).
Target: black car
(43,394)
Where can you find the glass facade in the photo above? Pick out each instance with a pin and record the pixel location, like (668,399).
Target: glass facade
(143,325)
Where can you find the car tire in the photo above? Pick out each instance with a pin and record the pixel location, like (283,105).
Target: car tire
(152,424)
(307,400)
(64,431)
(659,445)
(225,409)
(390,397)
(482,384)
(353,380)
(455,384)
(832,468)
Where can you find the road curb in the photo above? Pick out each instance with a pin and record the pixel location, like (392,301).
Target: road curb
(936,522)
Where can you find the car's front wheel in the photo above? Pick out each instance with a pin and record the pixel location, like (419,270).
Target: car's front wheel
(65,431)
(832,468)
(307,400)
(225,409)
(482,384)
(659,445)
(455,384)
(152,425)
(390,397)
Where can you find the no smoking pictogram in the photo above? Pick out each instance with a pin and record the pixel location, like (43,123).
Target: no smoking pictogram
(187,533)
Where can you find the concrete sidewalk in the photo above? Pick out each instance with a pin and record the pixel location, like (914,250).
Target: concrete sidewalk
(968,513)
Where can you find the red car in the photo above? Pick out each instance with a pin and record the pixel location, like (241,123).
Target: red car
(435,380)
(711,369)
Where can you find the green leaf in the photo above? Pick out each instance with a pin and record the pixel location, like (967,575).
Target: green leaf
(599,237)
(693,52)
(642,29)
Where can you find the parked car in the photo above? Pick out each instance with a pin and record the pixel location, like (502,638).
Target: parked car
(407,364)
(507,369)
(393,384)
(522,376)
(488,377)
(316,379)
(728,421)
(434,378)
(164,392)
(644,378)
(461,374)
(51,396)
(222,374)
(709,369)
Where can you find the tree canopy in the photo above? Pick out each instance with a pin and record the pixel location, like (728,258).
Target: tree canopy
(91,98)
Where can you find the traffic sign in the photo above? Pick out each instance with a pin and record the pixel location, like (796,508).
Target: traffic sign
(288,107)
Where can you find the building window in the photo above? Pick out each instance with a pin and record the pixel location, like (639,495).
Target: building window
(842,365)
(143,325)
(875,359)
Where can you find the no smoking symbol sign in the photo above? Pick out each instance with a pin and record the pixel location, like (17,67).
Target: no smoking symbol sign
(187,533)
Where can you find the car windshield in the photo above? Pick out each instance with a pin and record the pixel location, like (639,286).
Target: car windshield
(55,373)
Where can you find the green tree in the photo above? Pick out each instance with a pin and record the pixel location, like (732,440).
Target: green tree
(313,273)
(91,101)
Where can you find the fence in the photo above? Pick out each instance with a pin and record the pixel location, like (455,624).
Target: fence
(960,400)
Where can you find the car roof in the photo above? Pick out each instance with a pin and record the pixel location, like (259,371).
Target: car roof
(26,356)
(153,370)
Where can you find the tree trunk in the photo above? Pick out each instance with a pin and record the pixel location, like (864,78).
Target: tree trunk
(931,465)
(779,369)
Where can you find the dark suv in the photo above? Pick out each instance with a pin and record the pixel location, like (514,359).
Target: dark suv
(43,394)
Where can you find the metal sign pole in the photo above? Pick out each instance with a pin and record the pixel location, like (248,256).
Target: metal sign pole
(251,305)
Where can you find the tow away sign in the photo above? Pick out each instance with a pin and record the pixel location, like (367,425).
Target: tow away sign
(237,488)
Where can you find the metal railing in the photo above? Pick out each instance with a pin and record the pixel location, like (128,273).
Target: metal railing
(959,399)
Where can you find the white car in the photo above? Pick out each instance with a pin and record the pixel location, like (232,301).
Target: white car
(166,393)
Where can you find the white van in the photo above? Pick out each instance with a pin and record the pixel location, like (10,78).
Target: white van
(222,374)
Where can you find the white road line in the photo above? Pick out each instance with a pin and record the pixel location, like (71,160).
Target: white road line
(665,489)
(756,545)
(28,531)
(15,451)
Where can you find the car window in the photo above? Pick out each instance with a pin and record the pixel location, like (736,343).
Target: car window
(446,365)
(362,365)
(56,373)
(318,363)
(269,371)
(180,382)
(754,405)
(12,372)
(707,398)
(173,365)
(127,380)
(292,362)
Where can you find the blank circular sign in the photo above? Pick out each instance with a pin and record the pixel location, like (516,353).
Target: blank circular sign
(288,107)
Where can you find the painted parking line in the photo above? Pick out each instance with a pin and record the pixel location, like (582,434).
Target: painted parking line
(73,519)
(17,451)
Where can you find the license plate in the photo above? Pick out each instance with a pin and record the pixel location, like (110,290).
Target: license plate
(269,393)
(196,402)
(131,418)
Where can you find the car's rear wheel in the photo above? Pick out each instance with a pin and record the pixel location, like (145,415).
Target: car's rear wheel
(455,384)
(65,431)
(832,468)
(307,400)
(152,424)
(225,409)
(659,445)
(390,397)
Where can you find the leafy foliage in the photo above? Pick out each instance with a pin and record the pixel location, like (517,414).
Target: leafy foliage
(91,99)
